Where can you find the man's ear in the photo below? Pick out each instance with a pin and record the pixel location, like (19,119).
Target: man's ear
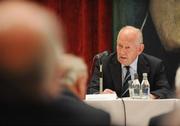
(82,81)
(141,48)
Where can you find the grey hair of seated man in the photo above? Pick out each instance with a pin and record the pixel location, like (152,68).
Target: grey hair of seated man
(129,30)
(75,74)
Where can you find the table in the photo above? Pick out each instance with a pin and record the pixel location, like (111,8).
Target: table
(138,111)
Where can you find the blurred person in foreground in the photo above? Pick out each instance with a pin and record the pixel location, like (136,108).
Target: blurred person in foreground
(120,66)
(75,75)
(31,43)
(171,118)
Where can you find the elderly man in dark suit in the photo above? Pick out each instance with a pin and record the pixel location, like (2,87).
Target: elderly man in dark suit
(31,44)
(129,58)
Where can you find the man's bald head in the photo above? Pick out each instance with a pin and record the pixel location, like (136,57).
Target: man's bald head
(29,43)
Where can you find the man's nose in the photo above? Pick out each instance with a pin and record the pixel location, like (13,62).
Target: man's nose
(123,51)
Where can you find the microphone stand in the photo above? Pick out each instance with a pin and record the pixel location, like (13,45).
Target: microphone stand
(105,53)
(97,57)
(100,78)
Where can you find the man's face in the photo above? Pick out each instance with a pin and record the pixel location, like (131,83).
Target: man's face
(128,48)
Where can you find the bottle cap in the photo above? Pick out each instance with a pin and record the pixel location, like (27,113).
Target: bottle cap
(144,74)
(135,76)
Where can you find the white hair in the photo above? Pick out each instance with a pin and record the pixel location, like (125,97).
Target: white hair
(132,29)
(73,68)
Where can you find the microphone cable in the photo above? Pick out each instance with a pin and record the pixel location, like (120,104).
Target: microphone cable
(144,21)
(124,109)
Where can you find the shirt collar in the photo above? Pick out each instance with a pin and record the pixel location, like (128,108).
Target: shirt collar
(133,65)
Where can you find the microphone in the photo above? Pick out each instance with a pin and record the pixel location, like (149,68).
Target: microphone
(98,57)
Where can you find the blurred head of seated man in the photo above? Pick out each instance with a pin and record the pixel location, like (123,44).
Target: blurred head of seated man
(28,38)
(120,66)
(75,75)
(31,44)
(170,118)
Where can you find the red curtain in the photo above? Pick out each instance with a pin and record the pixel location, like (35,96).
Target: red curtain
(88,24)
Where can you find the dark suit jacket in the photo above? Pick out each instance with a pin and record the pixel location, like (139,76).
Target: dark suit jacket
(146,64)
(67,110)
(168,119)
(157,120)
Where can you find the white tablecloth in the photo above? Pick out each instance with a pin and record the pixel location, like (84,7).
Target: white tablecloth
(138,111)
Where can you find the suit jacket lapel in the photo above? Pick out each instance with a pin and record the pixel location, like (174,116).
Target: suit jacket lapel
(115,71)
(142,66)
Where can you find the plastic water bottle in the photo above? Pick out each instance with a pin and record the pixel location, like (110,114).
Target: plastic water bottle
(130,88)
(145,87)
(136,87)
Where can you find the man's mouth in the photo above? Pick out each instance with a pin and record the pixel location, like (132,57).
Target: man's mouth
(122,57)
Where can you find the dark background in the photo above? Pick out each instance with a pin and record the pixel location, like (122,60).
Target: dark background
(154,47)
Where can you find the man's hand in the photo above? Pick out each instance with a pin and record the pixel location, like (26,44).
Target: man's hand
(108,91)
(152,96)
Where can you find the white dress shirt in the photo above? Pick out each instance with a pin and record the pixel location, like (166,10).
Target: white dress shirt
(132,69)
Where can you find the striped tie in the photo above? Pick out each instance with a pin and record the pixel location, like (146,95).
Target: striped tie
(125,91)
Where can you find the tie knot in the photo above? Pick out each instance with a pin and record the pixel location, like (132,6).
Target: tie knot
(127,67)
